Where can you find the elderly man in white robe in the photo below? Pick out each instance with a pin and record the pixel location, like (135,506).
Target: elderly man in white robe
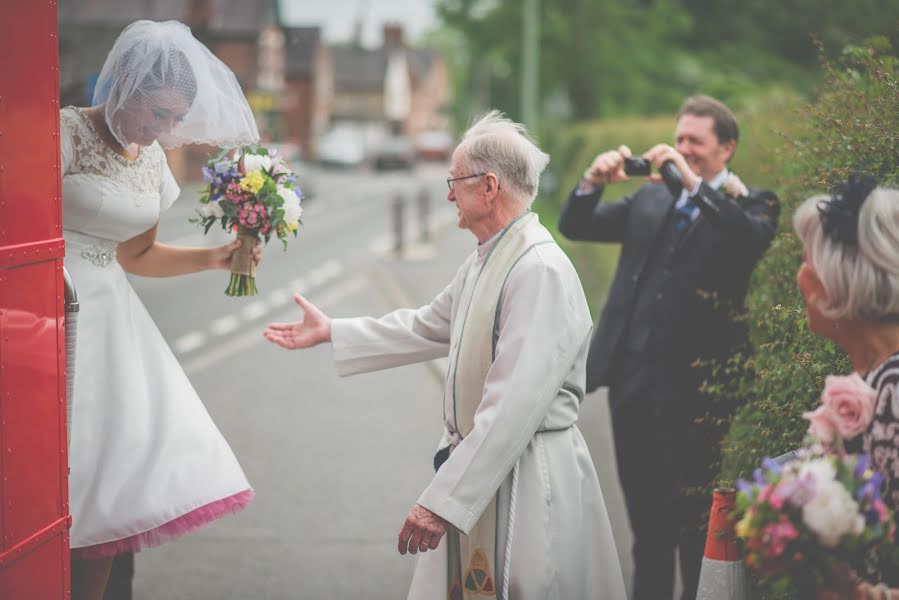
(515,490)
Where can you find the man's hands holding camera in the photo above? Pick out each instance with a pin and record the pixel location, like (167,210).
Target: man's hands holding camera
(619,165)
(608,167)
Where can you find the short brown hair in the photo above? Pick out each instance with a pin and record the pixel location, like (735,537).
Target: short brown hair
(705,106)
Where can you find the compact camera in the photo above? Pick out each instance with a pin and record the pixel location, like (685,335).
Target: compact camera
(637,166)
(668,171)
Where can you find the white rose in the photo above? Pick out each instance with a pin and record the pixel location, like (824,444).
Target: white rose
(256,162)
(292,208)
(212,209)
(831,513)
(734,187)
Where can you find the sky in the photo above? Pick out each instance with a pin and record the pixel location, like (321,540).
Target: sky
(338,17)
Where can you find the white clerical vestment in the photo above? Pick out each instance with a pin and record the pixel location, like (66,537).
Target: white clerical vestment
(516,459)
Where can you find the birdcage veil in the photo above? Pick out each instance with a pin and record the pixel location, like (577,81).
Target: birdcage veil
(151,58)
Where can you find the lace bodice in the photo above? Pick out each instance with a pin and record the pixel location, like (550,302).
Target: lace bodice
(104,194)
(881,440)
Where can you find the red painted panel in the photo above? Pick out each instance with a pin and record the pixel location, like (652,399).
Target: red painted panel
(30,207)
(31,403)
(34,554)
(36,576)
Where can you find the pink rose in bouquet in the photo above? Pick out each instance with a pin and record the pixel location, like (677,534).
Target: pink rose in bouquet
(847,407)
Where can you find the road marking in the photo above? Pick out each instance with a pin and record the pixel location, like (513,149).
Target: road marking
(241,342)
(278,298)
(225,325)
(253,310)
(189,342)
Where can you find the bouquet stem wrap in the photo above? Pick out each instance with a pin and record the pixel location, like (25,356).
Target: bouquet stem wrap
(243,269)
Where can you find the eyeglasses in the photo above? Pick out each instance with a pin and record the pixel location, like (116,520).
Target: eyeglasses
(451,181)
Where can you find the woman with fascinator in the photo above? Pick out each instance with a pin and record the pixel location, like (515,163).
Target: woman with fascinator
(147,463)
(849,279)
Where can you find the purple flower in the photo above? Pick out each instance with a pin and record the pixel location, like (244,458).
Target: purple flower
(207,174)
(771,465)
(861,466)
(759,477)
(797,492)
(744,486)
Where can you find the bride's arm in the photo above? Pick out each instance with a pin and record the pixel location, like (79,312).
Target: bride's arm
(143,255)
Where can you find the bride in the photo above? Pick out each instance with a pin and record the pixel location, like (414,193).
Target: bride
(146,461)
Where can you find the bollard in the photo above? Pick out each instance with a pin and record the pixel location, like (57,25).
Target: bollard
(399,209)
(424,216)
(723,576)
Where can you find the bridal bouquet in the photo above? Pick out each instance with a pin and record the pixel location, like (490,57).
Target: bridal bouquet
(801,521)
(251,191)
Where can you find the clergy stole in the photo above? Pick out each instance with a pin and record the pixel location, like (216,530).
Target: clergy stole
(472,558)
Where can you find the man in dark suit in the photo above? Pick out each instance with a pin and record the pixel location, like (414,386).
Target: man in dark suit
(687,251)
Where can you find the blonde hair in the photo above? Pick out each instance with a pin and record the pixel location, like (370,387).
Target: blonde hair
(502,146)
(861,280)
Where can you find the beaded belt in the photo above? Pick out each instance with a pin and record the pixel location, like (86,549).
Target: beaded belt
(99,251)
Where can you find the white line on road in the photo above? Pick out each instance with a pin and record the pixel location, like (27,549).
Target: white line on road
(189,342)
(278,298)
(253,310)
(225,325)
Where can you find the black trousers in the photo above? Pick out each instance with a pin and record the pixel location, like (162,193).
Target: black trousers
(665,463)
(121,578)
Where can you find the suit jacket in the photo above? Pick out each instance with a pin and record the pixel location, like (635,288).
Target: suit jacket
(674,294)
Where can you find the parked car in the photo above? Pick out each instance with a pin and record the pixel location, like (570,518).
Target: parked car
(341,147)
(394,152)
(434,145)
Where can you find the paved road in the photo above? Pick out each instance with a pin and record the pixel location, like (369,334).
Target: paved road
(336,463)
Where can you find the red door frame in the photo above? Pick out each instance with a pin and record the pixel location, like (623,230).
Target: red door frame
(34,506)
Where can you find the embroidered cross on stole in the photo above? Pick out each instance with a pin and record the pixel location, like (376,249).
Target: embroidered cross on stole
(472,558)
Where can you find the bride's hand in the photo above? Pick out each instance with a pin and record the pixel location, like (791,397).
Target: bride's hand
(313,329)
(222,255)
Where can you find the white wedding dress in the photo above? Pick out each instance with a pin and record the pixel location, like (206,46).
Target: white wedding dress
(146,461)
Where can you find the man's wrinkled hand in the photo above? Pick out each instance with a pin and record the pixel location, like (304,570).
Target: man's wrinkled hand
(313,329)
(421,531)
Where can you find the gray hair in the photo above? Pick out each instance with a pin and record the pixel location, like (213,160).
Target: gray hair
(504,147)
(861,281)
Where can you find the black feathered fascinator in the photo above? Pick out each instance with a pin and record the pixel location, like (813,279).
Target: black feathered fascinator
(839,214)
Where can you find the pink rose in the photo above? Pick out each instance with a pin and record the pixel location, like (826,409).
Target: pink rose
(821,424)
(847,407)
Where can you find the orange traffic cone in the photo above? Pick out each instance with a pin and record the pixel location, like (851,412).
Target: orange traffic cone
(723,576)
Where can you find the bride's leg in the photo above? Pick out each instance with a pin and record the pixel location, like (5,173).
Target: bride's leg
(89,578)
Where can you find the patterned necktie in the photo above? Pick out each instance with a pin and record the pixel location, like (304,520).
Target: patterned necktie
(683,215)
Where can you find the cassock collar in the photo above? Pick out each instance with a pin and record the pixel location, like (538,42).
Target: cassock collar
(484,247)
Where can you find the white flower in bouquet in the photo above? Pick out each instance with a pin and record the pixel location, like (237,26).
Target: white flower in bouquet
(832,512)
(292,208)
(256,162)
(212,209)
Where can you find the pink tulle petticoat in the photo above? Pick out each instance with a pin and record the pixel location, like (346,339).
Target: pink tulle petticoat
(191,521)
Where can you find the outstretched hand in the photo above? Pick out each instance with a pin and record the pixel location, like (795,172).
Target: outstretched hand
(313,329)
(421,531)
